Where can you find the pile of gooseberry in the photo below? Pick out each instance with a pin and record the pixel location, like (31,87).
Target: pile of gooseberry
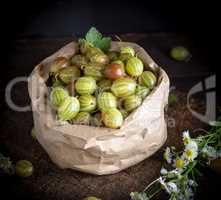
(99,89)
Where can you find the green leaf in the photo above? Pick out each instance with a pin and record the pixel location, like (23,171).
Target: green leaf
(103,44)
(93,35)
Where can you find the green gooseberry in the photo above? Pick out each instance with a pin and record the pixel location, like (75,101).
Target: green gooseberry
(142,91)
(68,109)
(113,55)
(93,51)
(94,72)
(79,60)
(99,58)
(128,50)
(106,100)
(124,57)
(112,118)
(82,118)
(134,66)
(148,79)
(84,46)
(85,85)
(123,87)
(58,95)
(180,53)
(87,103)
(132,102)
(69,74)
(24,168)
(104,84)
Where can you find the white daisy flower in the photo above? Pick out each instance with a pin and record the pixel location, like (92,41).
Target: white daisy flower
(161,180)
(193,145)
(172,187)
(209,151)
(190,154)
(186,137)
(163,171)
(179,163)
(186,194)
(191,151)
(163,184)
(175,173)
(167,155)
(192,182)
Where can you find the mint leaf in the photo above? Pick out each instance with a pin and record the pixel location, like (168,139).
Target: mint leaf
(103,44)
(93,35)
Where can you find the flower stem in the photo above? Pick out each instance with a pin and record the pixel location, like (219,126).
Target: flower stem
(150,197)
(155,181)
(151,191)
(190,169)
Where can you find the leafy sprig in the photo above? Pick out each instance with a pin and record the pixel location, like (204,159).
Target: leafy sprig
(95,38)
(6,165)
(181,171)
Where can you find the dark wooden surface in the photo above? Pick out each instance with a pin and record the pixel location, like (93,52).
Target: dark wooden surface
(50,182)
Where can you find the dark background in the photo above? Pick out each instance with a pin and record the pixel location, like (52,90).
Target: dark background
(197,20)
(31,20)
(52,18)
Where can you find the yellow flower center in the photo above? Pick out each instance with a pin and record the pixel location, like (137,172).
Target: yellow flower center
(179,163)
(189,152)
(186,140)
(165,156)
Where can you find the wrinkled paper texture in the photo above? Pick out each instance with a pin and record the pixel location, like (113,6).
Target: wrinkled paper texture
(100,150)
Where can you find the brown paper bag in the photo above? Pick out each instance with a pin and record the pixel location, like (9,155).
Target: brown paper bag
(100,150)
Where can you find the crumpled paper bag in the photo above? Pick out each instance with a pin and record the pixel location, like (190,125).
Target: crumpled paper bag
(100,150)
